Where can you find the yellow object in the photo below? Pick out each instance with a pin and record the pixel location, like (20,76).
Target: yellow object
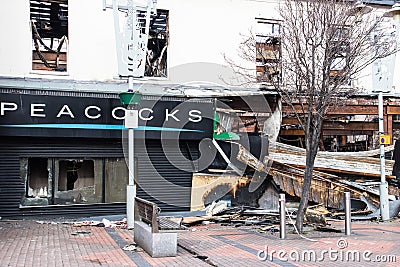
(384,139)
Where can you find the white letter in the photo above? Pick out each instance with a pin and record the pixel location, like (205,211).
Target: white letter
(262,255)
(167,115)
(65,110)
(331,252)
(89,116)
(272,254)
(323,252)
(197,117)
(366,255)
(12,107)
(34,109)
(115,116)
(281,255)
(312,256)
(143,118)
(294,255)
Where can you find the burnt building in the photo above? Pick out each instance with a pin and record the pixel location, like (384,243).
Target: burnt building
(63,153)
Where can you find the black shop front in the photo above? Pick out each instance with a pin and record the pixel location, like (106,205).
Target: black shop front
(64,153)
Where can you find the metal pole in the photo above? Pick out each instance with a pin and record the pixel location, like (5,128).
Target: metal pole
(383,187)
(282,215)
(347,213)
(131,187)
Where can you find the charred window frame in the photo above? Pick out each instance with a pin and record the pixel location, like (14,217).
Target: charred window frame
(77,181)
(158,42)
(55,181)
(35,173)
(339,50)
(268,50)
(49,25)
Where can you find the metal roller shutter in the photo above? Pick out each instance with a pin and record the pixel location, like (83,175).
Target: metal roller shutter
(12,186)
(166,178)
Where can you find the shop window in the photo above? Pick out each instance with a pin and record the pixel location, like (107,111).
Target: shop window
(49,23)
(75,174)
(52,181)
(116,173)
(268,50)
(76,181)
(36,176)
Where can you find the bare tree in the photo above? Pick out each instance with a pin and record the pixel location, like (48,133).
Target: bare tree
(321,47)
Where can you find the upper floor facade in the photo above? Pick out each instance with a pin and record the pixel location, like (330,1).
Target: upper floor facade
(189,41)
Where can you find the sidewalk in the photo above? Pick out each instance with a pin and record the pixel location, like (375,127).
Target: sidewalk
(28,243)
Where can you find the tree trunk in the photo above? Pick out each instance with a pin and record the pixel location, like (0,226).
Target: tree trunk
(305,194)
(311,153)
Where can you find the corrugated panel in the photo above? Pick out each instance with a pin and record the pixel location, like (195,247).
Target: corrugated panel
(75,93)
(53,147)
(12,186)
(73,211)
(380,2)
(166,178)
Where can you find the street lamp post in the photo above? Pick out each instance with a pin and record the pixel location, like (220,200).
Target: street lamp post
(131,44)
(130,100)
(381,83)
(383,187)
(394,12)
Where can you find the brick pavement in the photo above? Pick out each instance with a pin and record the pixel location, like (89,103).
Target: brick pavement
(369,245)
(28,243)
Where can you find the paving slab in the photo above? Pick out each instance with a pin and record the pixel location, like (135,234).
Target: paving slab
(55,243)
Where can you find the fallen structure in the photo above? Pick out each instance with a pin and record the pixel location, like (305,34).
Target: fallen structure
(334,173)
(354,163)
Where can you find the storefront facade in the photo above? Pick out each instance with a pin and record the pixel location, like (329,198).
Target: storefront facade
(62,153)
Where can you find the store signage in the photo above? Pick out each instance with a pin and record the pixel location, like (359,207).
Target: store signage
(95,112)
(107,114)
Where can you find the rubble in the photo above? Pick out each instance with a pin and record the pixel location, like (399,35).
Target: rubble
(81,233)
(102,223)
(326,229)
(334,173)
(130,247)
(316,215)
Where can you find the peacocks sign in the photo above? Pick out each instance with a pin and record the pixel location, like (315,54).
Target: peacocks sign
(47,115)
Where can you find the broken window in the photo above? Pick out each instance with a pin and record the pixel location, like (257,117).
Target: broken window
(38,182)
(36,176)
(339,49)
(76,180)
(49,23)
(156,59)
(268,50)
(51,181)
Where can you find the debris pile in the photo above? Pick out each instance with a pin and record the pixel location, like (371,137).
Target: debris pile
(264,221)
(334,173)
(102,223)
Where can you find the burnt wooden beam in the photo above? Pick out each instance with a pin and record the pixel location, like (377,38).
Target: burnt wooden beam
(339,110)
(297,132)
